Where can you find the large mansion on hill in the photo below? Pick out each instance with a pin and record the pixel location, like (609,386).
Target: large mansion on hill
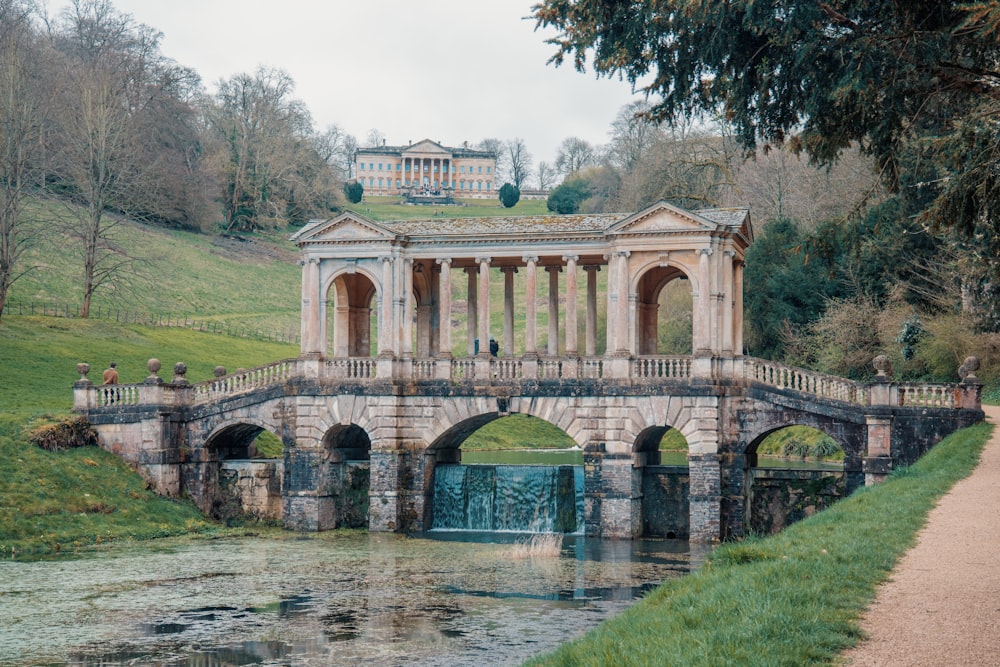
(426,167)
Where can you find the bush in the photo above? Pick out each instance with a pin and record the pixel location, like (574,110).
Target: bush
(354,191)
(510,194)
(567,197)
(67,434)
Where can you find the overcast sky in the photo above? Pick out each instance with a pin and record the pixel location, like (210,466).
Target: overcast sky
(447,70)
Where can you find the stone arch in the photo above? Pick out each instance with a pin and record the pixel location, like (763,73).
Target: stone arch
(833,429)
(232,439)
(648,284)
(347,442)
(353,292)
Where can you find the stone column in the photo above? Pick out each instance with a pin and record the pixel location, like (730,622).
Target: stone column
(444,308)
(728,302)
(553,343)
(571,287)
(472,310)
(508,309)
(311,342)
(406,320)
(530,298)
(385,312)
(591,334)
(484,305)
(621,320)
(702,336)
(738,309)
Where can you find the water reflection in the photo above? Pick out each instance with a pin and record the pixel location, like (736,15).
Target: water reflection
(347,598)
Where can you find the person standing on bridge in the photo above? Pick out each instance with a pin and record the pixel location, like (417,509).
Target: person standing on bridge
(111,374)
(494,346)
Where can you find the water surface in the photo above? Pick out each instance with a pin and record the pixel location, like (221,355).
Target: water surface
(329,598)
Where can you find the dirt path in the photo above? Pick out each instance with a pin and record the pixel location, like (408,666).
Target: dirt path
(941,606)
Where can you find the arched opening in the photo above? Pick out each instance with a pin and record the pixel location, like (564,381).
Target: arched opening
(346,475)
(513,474)
(792,473)
(661,453)
(664,320)
(243,480)
(351,317)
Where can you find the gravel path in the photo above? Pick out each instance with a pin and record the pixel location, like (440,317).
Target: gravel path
(941,606)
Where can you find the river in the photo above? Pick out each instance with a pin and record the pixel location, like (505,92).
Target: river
(339,598)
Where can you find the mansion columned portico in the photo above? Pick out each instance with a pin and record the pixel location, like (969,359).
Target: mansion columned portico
(406,274)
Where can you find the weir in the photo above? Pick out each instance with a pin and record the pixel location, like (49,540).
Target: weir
(508,498)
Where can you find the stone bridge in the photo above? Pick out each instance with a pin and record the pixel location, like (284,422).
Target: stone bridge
(365,420)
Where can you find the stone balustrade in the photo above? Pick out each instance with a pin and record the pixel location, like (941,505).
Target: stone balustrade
(505,370)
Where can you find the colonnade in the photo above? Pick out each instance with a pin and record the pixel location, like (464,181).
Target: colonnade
(414,169)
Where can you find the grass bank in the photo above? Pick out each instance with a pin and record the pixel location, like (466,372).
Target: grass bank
(58,502)
(795,598)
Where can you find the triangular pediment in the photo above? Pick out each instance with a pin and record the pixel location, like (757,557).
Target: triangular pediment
(660,218)
(426,146)
(346,227)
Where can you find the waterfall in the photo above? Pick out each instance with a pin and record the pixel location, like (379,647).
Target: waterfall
(512,498)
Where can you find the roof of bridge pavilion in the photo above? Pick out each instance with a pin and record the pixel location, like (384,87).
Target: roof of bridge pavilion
(352,227)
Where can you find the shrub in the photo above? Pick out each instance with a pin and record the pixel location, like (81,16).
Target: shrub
(354,191)
(510,194)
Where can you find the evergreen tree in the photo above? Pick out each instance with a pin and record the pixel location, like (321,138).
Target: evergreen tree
(510,194)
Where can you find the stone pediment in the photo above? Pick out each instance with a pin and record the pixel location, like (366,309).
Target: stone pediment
(426,147)
(347,227)
(662,217)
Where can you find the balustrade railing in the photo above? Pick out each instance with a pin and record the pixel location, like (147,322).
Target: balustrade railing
(244,381)
(661,367)
(506,369)
(810,382)
(908,394)
(918,395)
(350,368)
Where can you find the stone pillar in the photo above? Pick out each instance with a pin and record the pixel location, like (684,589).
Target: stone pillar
(553,343)
(591,334)
(484,305)
(705,497)
(702,344)
(738,309)
(571,287)
(406,318)
(383,491)
(508,309)
(621,315)
(728,302)
(877,463)
(311,340)
(444,308)
(530,299)
(611,498)
(385,312)
(472,310)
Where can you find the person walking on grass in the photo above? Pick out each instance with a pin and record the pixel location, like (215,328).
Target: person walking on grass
(111,374)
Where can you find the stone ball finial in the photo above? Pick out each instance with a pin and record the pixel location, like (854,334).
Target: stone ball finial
(180,370)
(83,368)
(882,364)
(153,366)
(967,371)
(220,371)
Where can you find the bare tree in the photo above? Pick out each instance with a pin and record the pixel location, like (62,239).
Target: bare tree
(518,162)
(273,169)
(24,104)
(632,134)
(336,148)
(574,154)
(546,176)
(108,58)
(375,138)
(496,146)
